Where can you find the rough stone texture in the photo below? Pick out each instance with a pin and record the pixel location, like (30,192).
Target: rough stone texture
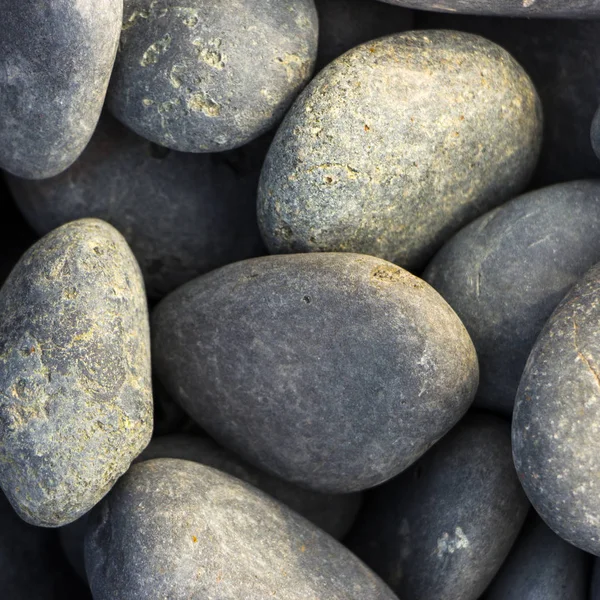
(344,24)
(541,566)
(176,529)
(182,214)
(571,9)
(444,528)
(75,396)
(557,416)
(397,144)
(333,371)
(562,57)
(207,76)
(506,272)
(55,62)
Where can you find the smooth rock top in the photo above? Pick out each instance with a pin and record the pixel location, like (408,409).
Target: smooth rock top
(595,133)
(176,529)
(75,392)
(541,566)
(557,417)
(333,371)
(397,144)
(506,272)
(444,528)
(55,62)
(207,75)
(183,215)
(572,9)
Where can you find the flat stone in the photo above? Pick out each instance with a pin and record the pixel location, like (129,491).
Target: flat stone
(176,529)
(207,76)
(506,272)
(444,528)
(55,63)
(332,371)
(75,392)
(396,145)
(557,415)
(182,214)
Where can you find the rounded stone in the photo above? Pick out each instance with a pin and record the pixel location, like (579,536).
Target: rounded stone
(207,76)
(55,63)
(76,400)
(443,528)
(176,529)
(557,416)
(334,371)
(397,144)
(573,9)
(541,566)
(506,272)
(182,214)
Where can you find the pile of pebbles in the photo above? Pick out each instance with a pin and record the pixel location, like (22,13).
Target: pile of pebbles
(300,299)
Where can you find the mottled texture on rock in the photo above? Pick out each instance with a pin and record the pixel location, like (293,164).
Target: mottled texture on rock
(562,58)
(182,214)
(506,272)
(334,371)
(176,529)
(557,415)
(444,528)
(397,144)
(75,397)
(344,24)
(55,62)
(570,9)
(541,566)
(207,75)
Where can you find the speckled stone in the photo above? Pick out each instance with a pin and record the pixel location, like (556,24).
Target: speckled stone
(176,529)
(344,24)
(396,145)
(207,76)
(182,214)
(573,9)
(561,57)
(75,397)
(333,371)
(506,272)
(444,528)
(55,62)
(541,566)
(557,416)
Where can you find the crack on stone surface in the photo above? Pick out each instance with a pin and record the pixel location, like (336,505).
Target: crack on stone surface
(582,356)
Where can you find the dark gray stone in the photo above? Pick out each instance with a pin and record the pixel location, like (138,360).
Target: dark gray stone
(176,529)
(207,76)
(444,528)
(572,9)
(344,24)
(333,371)
(595,587)
(396,145)
(595,133)
(557,416)
(75,395)
(506,272)
(562,58)
(55,63)
(182,214)
(541,566)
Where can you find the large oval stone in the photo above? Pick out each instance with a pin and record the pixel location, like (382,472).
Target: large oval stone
(557,416)
(333,371)
(55,62)
(176,529)
(75,391)
(443,528)
(505,273)
(397,144)
(207,76)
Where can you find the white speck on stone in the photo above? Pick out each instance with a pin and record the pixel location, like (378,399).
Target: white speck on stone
(450,543)
(528,3)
